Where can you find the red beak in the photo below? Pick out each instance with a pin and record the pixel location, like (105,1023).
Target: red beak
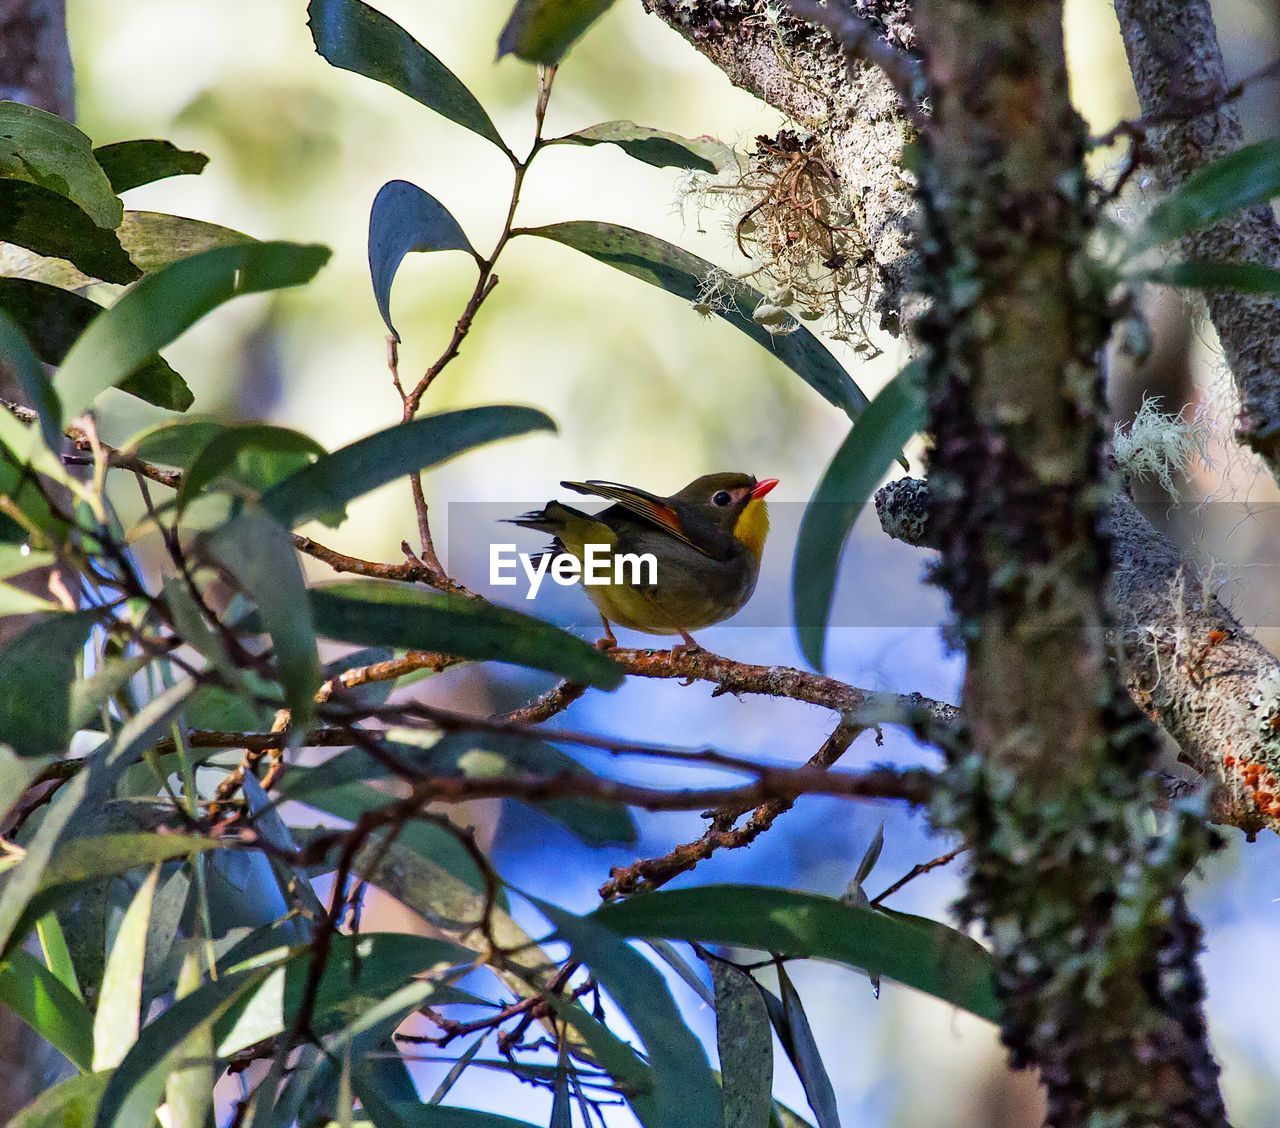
(764,487)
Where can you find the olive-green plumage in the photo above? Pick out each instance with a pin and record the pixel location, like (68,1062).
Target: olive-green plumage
(707,540)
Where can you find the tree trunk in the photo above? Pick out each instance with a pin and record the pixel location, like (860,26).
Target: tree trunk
(1094,947)
(35,68)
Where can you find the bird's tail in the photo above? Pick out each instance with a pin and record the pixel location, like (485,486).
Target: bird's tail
(552,518)
(571,528)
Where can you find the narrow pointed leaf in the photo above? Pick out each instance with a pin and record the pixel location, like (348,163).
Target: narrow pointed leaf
(346,474)
(20,361)
(259,553)
(57,956)
(118,1018)
(355,37)
(49,224)
(1242,277)
(44,1003)
(167,303)
(684,1091)
(802,1047)
(377,613)
(188,1089)
(920,953)
(156,239)
(54,318)
(70,1104)
(37,670)
(745,1047)
(404,218)
(874,441)
(1243,179)
(541,31)
(221,454)
(43,149)
(687,276)
(28,887)
(130,164)
(137,1086)
(655,146)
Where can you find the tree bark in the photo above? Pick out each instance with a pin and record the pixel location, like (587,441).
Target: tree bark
(35,68)
(1094,948)
(1184,658)
(853,111)
(1181,81)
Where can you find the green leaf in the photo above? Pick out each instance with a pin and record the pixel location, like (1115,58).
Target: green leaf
(796,1036)
(476,755)
(57,956)
(442,862)
(1243,179)
(175,442)
(119,1017)
(867,452)
(71,1104)
(15,560)
(379,613)
(745,1046)
(227,448)
(541,31)
(919,953)
(156,239)
(130,164)
(366,464)
(167,303)
(404,218)
(456,1070)
(654,146)
(440,1116)
(594,821)
(43,149)
(355,37)
(54,318)
(51,225)
(1242,277)
(44,1003)
(259,553)
(23,366)
(684,1090)
(137,1086)
(675,270)
(27,887)
(360,971)
(188,1089)
(37,670)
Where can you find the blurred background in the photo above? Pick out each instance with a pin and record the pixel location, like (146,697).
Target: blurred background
(645,392)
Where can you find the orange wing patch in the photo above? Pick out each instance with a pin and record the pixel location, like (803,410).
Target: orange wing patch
(642,504)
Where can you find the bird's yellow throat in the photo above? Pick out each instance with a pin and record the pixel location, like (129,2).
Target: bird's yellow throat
(752,526)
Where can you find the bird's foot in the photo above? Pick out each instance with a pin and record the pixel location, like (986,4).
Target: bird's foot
(607,641)
(690,645)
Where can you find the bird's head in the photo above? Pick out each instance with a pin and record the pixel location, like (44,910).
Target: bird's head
(731,503)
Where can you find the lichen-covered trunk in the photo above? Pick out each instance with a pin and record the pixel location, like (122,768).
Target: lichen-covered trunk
(1083,906)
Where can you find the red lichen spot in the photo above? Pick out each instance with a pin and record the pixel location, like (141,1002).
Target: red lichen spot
(1229,760)
(1216,637)
(1263,798)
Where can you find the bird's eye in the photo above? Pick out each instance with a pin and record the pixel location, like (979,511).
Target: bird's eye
(721,497)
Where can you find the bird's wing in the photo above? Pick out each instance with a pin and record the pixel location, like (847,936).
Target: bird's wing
(650,507)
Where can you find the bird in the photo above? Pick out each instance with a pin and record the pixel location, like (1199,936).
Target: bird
(706,540)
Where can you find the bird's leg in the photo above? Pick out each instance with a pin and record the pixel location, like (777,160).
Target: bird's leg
(689,645)
(607,641)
